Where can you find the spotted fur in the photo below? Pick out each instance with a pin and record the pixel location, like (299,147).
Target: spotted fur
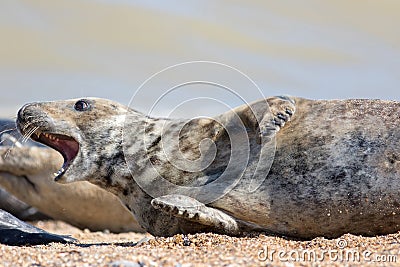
(336,167)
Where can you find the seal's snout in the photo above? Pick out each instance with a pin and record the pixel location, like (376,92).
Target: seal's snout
(31,119)
(21,113)
(27,113)
(24,116)
(35,122)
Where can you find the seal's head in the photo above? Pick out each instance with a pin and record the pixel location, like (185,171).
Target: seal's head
(81,130)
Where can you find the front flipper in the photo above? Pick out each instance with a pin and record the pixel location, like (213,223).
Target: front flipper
(282,109)
(192,210)
(265,117)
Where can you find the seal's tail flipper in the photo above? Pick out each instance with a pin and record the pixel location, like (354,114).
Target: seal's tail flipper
(192,210)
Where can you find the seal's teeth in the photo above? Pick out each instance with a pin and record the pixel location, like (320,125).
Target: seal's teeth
(59,172)
(38,133)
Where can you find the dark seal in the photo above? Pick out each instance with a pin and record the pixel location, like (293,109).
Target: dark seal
(14,232)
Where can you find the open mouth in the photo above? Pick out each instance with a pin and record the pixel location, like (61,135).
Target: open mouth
(67,146)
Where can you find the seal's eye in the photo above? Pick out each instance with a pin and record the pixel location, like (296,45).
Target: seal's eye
(82,105)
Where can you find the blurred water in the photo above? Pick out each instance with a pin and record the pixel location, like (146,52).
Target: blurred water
(107,48)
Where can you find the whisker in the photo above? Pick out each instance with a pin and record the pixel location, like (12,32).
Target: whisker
(20,138)
(29,134)
(33,131)
(28,129)
(26,126)
(15,142)
(23,126)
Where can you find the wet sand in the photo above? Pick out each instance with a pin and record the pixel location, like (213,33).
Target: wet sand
(134,250)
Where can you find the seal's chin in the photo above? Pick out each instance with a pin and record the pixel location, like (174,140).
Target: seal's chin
(67,146)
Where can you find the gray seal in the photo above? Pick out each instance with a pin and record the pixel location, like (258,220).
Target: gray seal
(336,167)
(26,174)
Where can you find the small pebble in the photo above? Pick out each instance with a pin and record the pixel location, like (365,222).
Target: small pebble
(186,241)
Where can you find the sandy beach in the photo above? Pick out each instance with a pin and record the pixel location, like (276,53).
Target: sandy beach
(134,250)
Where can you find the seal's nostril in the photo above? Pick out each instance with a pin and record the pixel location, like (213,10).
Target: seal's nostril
(25,115)
(21,112)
